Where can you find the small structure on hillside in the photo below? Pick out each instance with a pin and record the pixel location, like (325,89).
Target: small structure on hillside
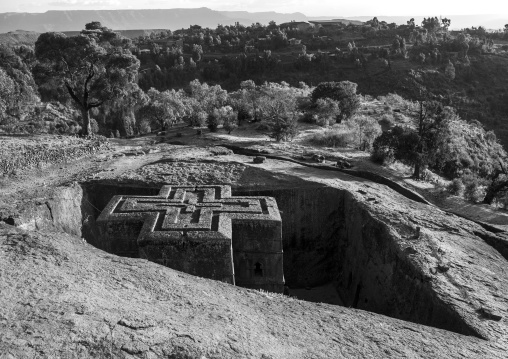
(202,231)
(299,25)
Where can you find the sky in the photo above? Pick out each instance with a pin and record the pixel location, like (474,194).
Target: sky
(308,7)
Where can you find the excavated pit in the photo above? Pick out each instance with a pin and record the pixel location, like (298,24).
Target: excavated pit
(334,250)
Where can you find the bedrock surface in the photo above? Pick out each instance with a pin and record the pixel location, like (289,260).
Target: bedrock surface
(63,298)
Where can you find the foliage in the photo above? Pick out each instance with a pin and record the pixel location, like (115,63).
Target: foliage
(213,120)
(415,146)
(450,71)
(93,68)
(328,110)
(207,97)
(163,108)
(338,135)
(474,188)
(343,92)
(18,92)
(365,130)
(456,187)
(358,132)
(431,24)
(466,148)
(283,128)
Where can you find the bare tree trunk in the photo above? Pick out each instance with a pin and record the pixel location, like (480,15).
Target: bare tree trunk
(87,127)
(493,190)
(417,171)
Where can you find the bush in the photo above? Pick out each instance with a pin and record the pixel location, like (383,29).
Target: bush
(358,132)
(230,124)
(474,190)
(244,115)
(365,130)
(310,117)
(283,128)
(343,92)
(337,136)
(197,119)
(456,187)
(383,155)
(213,121)
(144,127)
(386,122)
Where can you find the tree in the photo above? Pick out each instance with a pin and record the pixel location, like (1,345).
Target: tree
(327,109)
(230,123)
(18,93)
(213,120)
(366,130)
(94,67)
(374,23)
(154,113)
(7,96)
(343,92)
(278,108)
(249,97)
(283,128)
(416,146)
(197,52)
(446,23)
(498,183)
(432,24)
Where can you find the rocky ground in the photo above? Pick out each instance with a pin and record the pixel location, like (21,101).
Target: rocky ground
(61,297)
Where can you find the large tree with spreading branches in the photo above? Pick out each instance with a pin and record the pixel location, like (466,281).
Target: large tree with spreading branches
(90,69)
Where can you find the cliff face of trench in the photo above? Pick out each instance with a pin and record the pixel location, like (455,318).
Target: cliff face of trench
(329,236)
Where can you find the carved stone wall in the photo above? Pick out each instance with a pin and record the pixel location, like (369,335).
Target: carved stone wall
(202,231)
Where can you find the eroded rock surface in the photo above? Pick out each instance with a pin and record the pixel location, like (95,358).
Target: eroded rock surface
(63,298)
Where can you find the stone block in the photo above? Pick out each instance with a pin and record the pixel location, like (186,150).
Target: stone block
(202,231)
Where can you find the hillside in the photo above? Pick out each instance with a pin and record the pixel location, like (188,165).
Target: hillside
(19,38)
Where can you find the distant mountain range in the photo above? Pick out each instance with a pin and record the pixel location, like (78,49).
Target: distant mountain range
(174,19)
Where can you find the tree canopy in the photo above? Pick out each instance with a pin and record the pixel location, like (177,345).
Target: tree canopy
(343,92)
(18,92)
(93,68)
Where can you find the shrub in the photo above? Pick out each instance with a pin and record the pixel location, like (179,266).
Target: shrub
(197,119)
(283,128)
(386,122)
(144,127)
(474,190)
(230,124)
(365,130)
(244,115)
(328,110)
(343,92)
(337,136)
(456,187)
(213,121)
(310,117)
(358,132)
(383,155)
